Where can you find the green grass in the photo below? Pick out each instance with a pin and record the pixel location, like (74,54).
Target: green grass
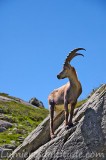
(24,119)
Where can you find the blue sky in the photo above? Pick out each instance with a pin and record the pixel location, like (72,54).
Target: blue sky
(35,38)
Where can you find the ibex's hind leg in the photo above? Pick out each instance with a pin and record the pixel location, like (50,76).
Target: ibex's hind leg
(51,107)
(71,114)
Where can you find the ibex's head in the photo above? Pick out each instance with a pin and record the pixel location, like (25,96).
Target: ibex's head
(67,68)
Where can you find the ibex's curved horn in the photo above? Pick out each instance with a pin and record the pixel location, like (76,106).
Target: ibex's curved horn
(72,54)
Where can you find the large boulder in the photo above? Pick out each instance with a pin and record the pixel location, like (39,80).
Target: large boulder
(85,141)
(34,101)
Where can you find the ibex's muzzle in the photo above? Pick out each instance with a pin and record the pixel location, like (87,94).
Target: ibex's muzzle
(58,76)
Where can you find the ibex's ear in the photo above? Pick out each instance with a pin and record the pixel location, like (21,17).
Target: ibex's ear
(67,66)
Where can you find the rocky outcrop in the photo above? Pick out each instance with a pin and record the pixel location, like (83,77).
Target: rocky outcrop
(85,141)
(14,99)
(34,101)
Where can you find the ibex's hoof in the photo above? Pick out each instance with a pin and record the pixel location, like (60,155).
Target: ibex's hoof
(53,136)
(66,127)
(69,126)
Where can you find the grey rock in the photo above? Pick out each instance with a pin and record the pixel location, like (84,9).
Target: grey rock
(13,142)
(9,146)
(21,139)
(34,101)
(85,141)
(6,118)
(5,124)
(2,129)
(4,99)
(1,110)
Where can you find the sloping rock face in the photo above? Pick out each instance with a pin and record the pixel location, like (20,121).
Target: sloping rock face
(85,141)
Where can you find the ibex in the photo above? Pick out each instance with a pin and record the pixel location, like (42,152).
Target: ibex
(68,93)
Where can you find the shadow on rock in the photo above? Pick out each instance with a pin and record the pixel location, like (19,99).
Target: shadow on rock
(92,129)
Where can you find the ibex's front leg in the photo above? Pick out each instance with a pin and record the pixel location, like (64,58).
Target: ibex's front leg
(72,105)
(66,112)
(51,105)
